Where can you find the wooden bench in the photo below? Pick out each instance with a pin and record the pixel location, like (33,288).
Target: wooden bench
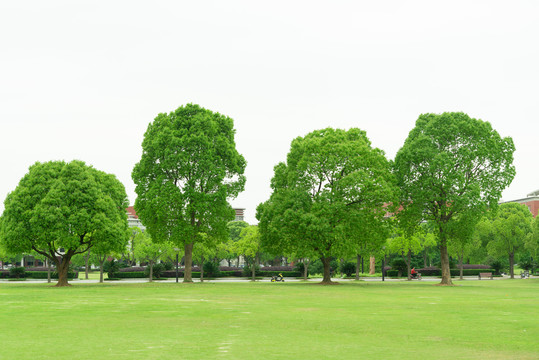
(485,275)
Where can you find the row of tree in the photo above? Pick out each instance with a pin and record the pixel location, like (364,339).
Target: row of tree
(334,196)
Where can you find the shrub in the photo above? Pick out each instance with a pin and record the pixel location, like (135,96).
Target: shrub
(348,268)
(17,272)
(498,266)
(158,270)
(169,265)
(111,268)
(54,274)
(131,275)
(211,269)
(528,264)
(316,267)
(400,266)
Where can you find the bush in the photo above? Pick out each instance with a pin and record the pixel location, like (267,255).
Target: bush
(527,264)
(400,266)
(54,275)
(131,275)
(348,268)
(211,269)
(498,266)
(111,268)
(158,270)
(17,272)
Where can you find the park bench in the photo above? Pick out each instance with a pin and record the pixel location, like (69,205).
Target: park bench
(485,275)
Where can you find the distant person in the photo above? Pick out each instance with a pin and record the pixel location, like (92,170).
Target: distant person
(413,272)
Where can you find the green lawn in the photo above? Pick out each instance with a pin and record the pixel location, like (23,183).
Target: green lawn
(356,320)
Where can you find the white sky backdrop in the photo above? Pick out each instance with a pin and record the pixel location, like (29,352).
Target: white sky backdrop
(82,79)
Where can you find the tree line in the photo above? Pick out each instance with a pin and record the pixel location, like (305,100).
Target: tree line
(335,196)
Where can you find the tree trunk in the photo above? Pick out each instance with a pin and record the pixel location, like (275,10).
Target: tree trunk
(372,268)
(444,257)
(425,258)
(188,258)
(202,268)
(62,267)
(362,265)
(358,264)
(327,271)
(305,268)
(408,261)
(512,264)
(101,264)
(87,259)
(48,265)
(461,267)
(253,269)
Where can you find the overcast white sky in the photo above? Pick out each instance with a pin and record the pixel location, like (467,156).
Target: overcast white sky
(82,79)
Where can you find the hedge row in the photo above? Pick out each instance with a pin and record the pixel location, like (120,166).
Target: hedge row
(196,274)
(4,274)
(438,272)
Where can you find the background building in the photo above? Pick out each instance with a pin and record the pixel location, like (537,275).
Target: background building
(531,201)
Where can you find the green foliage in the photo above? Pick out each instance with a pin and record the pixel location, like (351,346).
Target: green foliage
(498,266)
(528,264)
(158,270)
(112,268)
(64,205)
(17,272)
(507,231)
(331,190)
(348,268)
(248,270)
(400,265)
(211,269)
(452,165)
(188,171)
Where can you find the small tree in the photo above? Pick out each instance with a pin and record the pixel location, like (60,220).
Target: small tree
(147,250)
(508,230)
(249,246)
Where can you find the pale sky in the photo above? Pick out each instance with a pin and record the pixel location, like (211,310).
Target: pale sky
(83,79)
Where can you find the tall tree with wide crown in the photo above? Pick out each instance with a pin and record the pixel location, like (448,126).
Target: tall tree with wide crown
(62,209)
(188,171)
(332,189)
(449,167)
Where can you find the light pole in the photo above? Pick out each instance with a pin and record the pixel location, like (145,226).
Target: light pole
(177,261)
(383,264)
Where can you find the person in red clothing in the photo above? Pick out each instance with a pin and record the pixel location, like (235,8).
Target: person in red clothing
(414,273)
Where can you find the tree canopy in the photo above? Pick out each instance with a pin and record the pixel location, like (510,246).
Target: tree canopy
(326,195)
(452,164)
(508,229)
(62,209)
(188,170)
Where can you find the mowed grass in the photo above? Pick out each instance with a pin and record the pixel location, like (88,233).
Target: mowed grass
(263,320)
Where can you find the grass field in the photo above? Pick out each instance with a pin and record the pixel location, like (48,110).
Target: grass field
(356,320)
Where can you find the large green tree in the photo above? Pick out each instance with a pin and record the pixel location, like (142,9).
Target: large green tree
(62,209)
(507,231)
(452,165)
(188,171)
(332,188)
